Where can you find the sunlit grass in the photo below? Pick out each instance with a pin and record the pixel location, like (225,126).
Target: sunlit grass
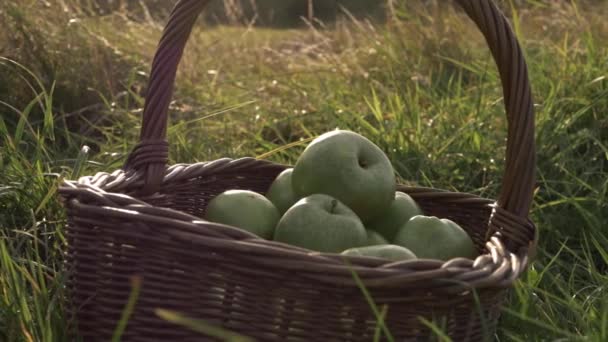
(425,90)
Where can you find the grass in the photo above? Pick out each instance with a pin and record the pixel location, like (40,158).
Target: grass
(425,90)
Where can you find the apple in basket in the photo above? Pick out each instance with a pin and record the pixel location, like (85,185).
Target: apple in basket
(374,238)
(348,167)
(429,237)
(321,223)
(281,192)
(386,251)
(244,209)
(398,213)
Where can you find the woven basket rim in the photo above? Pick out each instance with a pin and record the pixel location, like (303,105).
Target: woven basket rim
(495,267)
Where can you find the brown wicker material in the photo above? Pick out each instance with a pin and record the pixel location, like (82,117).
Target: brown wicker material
(145,220)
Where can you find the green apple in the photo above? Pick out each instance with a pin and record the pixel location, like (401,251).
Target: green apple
(386,251)
(399,212)
(373,238)
(432,238)
(321,223)
(244,209)
(281,192)
(348,167)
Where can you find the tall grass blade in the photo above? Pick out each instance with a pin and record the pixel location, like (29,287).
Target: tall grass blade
(201,327)
(128,310)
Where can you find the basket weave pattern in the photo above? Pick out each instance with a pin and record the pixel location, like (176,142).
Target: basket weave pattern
(144,220)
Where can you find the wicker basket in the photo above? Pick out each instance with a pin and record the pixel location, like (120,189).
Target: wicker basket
(145,221)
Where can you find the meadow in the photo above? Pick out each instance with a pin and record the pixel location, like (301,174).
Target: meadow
(424,89)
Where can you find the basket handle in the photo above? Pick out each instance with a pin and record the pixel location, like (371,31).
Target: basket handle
(150,155)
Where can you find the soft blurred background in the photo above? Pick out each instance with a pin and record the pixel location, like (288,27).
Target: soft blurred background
(262,77)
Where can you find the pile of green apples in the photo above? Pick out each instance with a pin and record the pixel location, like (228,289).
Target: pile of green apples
(341,197)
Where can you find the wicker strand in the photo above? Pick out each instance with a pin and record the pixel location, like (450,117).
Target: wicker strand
(161,85)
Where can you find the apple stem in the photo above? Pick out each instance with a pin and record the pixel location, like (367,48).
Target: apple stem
(334,204)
